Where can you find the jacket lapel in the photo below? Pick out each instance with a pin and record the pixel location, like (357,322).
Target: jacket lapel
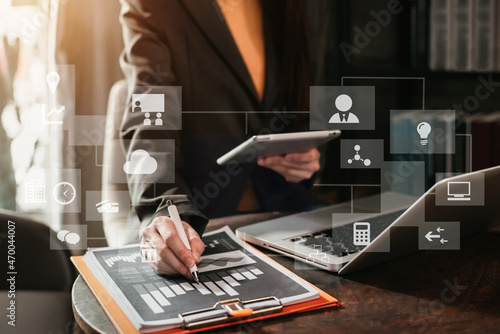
(207,15)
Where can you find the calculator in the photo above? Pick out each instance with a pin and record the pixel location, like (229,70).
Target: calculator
(361,234)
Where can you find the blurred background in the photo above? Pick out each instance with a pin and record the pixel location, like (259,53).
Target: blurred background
(432,52)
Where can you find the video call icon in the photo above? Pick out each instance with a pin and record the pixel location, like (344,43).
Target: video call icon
(147,104)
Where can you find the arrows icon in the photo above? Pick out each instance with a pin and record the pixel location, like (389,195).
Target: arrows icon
(439,235)
(429,236)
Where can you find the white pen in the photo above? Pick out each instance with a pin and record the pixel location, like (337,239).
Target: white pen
(174,215)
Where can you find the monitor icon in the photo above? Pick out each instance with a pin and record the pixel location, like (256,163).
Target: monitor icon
(458,191)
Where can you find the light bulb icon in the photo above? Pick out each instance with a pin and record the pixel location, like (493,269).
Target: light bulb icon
(423,130)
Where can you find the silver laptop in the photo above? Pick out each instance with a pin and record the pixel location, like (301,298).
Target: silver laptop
(331,239)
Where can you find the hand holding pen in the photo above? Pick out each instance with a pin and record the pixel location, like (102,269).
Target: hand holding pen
(172,242)
(174,215)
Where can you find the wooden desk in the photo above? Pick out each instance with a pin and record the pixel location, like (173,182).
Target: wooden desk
(427,292)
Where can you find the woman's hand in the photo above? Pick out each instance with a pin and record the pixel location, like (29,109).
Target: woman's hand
(172,256)
(294,167)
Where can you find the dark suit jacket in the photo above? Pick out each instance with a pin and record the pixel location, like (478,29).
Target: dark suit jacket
(187,43)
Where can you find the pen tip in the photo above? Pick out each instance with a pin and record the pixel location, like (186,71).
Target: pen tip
(195,276)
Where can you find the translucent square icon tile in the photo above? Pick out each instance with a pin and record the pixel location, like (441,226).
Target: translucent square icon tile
(439,235)
(342,107)
(50,190)
(362,153)
(58,108)
(405,177)
(73,237)
(422,131)
(156,107)
(114,205)
(466,190)
(144,164)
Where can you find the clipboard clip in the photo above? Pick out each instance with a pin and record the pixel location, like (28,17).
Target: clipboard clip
(230,310)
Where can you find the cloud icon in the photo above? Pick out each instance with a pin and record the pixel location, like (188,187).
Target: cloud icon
(140,163)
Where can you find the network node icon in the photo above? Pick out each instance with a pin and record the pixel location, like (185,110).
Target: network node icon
(357,157)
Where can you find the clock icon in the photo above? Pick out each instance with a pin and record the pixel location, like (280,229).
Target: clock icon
(64,193)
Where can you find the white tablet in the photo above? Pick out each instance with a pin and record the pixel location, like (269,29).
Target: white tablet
(277,144)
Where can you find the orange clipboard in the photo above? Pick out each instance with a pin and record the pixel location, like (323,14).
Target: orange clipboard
(124,325)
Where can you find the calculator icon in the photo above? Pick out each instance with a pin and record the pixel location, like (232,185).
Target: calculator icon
(361,234)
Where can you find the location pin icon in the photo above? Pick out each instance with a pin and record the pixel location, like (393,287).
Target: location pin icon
(53,79)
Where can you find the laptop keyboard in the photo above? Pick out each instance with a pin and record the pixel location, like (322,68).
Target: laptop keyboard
(338,241)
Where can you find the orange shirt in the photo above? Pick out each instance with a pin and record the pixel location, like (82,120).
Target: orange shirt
(244,19)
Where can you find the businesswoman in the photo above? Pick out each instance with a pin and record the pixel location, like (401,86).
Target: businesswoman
(242,66)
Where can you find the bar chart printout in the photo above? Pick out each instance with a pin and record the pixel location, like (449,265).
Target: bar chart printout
(228,269)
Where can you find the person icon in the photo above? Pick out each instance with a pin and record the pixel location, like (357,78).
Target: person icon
(343,103)
(137,106)
(147,120)
(158,120)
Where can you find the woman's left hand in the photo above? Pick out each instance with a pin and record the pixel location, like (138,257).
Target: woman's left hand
(294,167)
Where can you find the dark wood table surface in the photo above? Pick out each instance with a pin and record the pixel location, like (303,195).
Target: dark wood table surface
(426,292)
